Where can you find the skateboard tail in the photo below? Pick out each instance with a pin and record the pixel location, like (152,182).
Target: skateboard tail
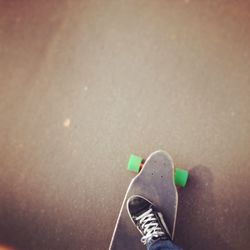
(120,212)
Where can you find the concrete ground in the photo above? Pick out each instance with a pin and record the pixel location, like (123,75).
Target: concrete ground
(85,83)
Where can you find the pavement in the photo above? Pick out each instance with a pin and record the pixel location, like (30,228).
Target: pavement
(83,84)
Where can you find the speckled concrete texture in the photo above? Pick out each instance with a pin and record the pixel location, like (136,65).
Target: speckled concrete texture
(85,83)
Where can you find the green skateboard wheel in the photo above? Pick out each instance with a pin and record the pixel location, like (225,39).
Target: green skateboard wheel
(181,177)
(134,163)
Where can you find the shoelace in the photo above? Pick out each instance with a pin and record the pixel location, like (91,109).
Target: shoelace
(149,226)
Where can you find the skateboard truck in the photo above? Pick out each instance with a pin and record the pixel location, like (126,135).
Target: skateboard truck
(136,163)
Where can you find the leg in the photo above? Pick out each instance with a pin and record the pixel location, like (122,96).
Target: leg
(162,245)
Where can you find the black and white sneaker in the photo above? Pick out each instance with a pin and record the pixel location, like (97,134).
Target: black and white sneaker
(147,219)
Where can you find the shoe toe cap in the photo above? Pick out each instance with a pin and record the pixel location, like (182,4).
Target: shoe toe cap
(138,205)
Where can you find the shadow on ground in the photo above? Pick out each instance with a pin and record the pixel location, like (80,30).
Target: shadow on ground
(197,214)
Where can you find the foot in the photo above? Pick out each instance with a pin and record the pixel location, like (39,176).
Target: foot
(147,219)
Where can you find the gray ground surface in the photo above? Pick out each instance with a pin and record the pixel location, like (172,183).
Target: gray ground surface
(85,83)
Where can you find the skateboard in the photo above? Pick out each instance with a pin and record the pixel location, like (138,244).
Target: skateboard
(156,181)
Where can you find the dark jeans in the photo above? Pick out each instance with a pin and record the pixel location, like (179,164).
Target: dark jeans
(162,245)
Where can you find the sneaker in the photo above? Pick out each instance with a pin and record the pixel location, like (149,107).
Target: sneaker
(147,219)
